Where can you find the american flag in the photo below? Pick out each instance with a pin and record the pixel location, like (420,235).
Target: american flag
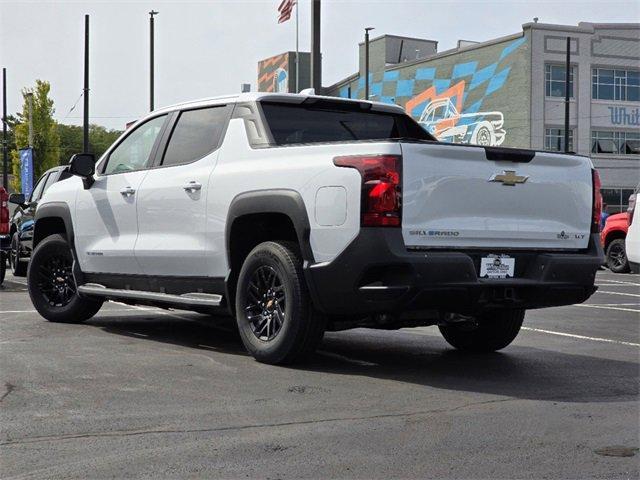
(285,9)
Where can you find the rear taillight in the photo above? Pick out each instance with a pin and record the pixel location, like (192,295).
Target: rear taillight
(4,211)
(381,187)
(597,201)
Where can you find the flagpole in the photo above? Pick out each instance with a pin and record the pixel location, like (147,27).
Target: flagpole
(297,51)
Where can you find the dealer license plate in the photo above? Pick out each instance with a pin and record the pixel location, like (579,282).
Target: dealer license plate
(497,266)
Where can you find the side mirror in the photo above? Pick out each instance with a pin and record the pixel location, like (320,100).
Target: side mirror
(83,165)
(17,198)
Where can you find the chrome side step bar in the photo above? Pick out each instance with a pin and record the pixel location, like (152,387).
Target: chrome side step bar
(191,299)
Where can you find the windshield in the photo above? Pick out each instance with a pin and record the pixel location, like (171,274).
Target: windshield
(333,121)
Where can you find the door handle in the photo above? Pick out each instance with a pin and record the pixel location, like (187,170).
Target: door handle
(192,186)
(127,191)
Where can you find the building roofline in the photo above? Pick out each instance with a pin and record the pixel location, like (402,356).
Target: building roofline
(582,27)
(402,37)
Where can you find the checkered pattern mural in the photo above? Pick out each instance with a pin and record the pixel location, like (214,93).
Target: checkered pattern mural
(449,98)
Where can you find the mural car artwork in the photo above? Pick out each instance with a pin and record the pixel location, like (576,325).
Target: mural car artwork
(441,118)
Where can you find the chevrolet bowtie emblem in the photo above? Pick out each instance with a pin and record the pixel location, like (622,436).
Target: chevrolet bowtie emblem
(508,177)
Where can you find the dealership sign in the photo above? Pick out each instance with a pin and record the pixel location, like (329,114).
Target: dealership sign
(623,116)
(26,170)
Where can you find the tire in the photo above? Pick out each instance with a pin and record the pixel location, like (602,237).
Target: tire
(18,268)
(52,287)
(3,267)
(484,135)
(617,260)
(492,331)
(271,277)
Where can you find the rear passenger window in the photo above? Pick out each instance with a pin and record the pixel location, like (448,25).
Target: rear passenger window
(196,133)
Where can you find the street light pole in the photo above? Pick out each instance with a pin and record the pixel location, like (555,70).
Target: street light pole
(567,76)
(151,59)
(85,90)
(366,62)
(5,157)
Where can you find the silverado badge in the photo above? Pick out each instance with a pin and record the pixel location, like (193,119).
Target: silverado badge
(508,177)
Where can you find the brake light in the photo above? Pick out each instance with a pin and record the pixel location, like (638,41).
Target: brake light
(597,201)
(381,188)
(4,211)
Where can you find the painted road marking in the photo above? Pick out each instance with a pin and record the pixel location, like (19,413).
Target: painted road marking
(585,305)
(620,293)
(580,337)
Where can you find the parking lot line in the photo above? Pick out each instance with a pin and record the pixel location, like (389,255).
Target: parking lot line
(605,307)
(619,293)
(580,337)
(620,282)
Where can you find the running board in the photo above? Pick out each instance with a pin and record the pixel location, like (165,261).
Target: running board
(190,299)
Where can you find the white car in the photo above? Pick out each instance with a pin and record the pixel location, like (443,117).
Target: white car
(300,213)
(632,241)
(441,118)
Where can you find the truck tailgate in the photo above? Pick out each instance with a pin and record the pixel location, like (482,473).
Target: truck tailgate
(454,196)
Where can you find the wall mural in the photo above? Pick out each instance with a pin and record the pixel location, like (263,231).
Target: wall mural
(448,100)
(273,75)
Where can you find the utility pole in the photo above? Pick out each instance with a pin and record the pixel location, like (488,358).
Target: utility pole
(316,59)
(366,62)
(85,90)
(5,157)
(151,59)
(567,72)
(30,114)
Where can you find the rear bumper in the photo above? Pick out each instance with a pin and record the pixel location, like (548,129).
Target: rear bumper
(377,274)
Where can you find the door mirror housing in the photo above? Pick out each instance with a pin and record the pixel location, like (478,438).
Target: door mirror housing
(17,198)
(83,165)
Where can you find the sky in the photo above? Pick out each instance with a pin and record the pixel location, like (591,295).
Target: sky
(209,47)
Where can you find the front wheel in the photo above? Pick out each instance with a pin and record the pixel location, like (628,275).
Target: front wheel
(276,320)
(487,333)
(52,287)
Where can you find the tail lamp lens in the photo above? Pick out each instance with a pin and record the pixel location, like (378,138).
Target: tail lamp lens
(381,187)
(597,201)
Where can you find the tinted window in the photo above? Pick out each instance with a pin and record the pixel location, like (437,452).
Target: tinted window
(53,178)
(196,133)
(37,191)
(327,121)
(133,153)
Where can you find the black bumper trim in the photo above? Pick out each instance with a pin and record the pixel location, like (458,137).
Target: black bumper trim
(377,274)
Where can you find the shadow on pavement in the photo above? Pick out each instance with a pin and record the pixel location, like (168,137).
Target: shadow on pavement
(518,371)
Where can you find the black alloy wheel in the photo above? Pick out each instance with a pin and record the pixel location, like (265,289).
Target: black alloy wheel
(266,309)
(55,279)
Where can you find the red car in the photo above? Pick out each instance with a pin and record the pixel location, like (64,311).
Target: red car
(612,238)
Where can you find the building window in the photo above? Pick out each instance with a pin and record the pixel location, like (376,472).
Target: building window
(618,143)
(609,84)
(554,139)
(616,199)
(555,80)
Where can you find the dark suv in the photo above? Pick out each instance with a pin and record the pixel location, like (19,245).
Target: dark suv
(21,223)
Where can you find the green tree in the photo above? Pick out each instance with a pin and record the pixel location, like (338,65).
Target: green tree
(71,139)
(46,140)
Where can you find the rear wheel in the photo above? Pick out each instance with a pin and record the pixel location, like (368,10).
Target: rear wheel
(489,332)
(18,268)
(276,320)
(52,287)
(617,256)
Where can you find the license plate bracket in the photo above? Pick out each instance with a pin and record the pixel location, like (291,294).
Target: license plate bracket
(497,266)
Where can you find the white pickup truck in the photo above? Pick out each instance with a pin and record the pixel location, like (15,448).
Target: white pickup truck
(298,214)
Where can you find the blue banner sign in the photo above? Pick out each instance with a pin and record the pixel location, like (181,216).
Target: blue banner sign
(26,170)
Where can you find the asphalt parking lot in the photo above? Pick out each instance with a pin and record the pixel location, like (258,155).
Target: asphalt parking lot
(142,392)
